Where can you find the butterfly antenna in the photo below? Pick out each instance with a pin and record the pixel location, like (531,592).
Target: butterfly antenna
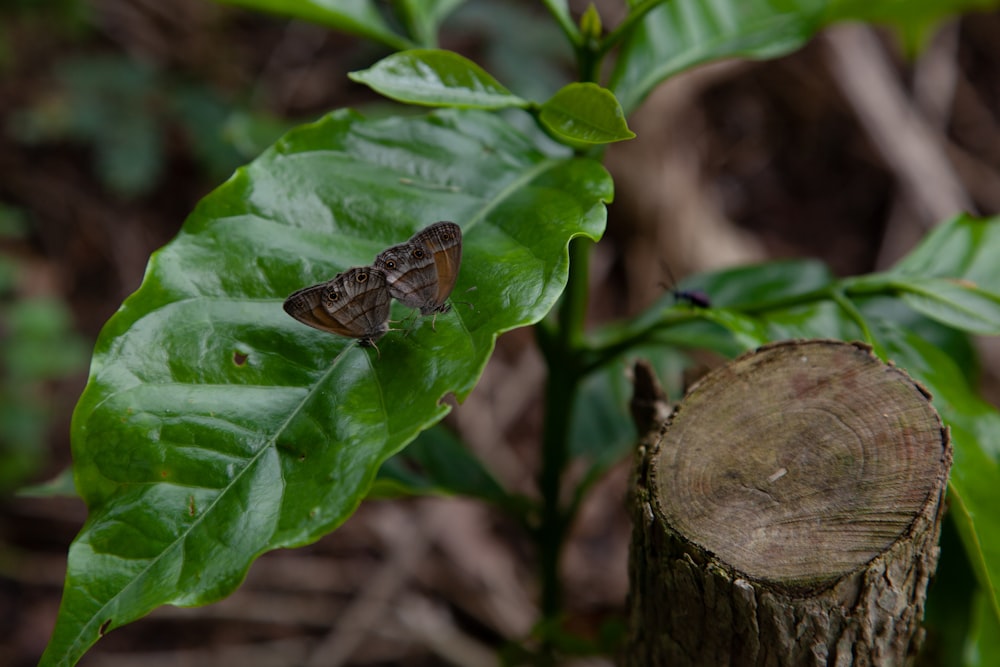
(672,286)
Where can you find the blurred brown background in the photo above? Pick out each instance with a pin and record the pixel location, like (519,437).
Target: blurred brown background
(116,116)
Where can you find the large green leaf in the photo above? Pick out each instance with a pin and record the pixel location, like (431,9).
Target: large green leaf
(682,33)
(679,34)
(214,427)
(359,17)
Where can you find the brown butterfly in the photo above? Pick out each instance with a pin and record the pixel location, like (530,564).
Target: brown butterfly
(421,272)
(354,303)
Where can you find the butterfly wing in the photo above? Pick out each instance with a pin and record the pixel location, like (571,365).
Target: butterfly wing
(443,240)
(410,273)
(354,304)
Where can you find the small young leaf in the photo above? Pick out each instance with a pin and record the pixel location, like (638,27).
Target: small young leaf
(590,24)
(585,113)
(434,77)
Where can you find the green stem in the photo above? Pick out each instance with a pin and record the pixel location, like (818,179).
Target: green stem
(643,329)
(562,354)
(562,18)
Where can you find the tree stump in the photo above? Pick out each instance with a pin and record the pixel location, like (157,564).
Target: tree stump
(787,513)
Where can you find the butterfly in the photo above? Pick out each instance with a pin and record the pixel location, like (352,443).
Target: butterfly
(421,273)
(354,303)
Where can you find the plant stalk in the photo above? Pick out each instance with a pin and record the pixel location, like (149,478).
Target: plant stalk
(562,354)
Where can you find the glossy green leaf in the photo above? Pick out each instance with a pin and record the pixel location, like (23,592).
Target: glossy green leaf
(214,427)
(358,17)
(434,77)
(585,113)
(958,305)
(679,34)
(975,432)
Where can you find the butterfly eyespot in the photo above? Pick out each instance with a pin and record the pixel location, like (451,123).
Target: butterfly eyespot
(361,277)
(418,253)
(390,264)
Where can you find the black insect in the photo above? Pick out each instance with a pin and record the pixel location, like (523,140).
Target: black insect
(696,298)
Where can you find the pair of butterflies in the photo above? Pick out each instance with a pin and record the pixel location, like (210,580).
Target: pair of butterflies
(419,273)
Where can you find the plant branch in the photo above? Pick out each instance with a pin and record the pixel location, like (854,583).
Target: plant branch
(561,349)
(852,312)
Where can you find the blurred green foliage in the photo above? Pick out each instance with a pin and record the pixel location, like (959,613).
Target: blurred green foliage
(124,111)
(37,344)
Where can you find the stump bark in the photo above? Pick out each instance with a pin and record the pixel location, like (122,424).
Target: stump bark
(787,512)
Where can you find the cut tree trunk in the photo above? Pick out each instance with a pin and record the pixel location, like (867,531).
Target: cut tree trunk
(787,512)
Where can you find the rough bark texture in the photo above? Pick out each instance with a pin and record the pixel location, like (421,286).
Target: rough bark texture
(787,513)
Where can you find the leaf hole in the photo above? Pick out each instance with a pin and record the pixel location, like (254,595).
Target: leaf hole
(104,627)
(240,358)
